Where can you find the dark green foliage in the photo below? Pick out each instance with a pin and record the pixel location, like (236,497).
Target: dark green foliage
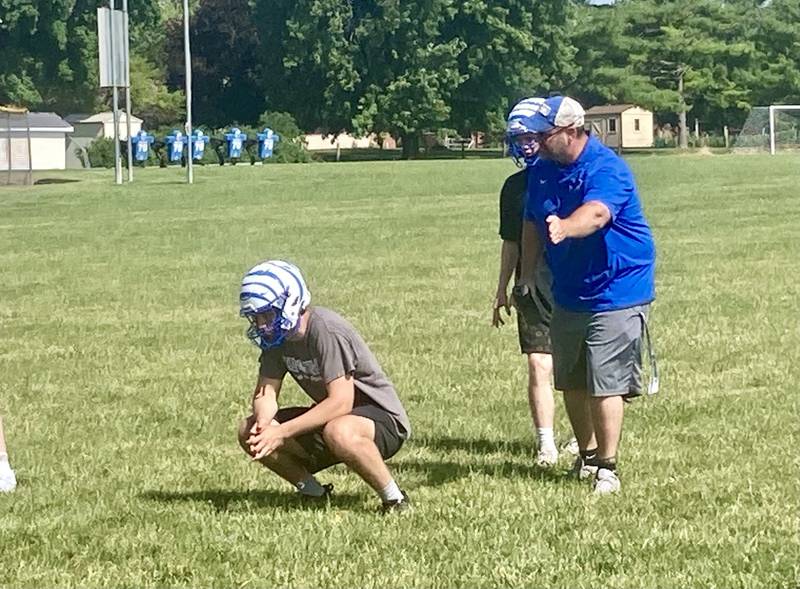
(224,44)
(290,148)
(101,153)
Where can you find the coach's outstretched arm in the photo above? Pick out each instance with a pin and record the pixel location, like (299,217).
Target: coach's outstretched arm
(584,221)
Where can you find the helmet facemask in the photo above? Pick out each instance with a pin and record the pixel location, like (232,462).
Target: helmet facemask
(523,154)
(270,333)
(519,123)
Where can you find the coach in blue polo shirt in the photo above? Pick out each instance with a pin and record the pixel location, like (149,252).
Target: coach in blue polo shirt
(583,207)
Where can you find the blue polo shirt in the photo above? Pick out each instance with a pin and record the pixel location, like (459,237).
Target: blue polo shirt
(613,268)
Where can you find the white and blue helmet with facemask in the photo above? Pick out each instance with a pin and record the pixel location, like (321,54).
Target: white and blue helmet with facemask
(273,287)
(519,122)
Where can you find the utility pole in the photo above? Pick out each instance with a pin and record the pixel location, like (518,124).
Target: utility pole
(114,93)
(187,54)
(127,49)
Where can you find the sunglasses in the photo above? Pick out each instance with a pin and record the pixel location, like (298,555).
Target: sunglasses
(543,137)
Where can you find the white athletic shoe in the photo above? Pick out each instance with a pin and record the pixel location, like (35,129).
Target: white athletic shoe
(581,470)
(606,482)
(546,457)
(8,482)
(572,447)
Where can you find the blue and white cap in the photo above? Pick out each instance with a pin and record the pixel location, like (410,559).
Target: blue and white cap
(557,111)
(275,286)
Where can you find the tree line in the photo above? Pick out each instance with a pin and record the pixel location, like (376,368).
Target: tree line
(407,66)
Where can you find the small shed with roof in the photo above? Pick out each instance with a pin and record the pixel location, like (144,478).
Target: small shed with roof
(621,126)
(43,135)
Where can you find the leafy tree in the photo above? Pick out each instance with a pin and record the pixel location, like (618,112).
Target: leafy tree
(308,54)
(671,56)
(150,97)
(48,51)
(224,46)
(775,79)
(513,49)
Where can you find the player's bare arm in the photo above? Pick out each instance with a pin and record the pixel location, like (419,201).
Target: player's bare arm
(509,255)
(265,401)
(340,399)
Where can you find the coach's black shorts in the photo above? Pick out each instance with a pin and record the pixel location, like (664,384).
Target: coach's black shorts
(387,438)
(533,323)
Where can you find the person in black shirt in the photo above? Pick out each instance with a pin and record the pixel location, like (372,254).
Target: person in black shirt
(534,308)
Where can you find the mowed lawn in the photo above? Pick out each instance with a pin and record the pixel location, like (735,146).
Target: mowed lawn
(124,371)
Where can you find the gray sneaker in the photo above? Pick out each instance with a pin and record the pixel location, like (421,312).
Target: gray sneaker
(581,470)
(606,482)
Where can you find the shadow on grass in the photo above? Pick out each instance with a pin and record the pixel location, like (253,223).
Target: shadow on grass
(233,500)
(516,448)
(55,181)
(516,461)
(438,473)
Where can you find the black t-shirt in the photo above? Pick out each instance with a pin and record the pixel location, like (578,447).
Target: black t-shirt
(512,203)
(512,211)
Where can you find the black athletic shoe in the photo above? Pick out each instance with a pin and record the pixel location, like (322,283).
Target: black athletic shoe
(326,495)
(396,506)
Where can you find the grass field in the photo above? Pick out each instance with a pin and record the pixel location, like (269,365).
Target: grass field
(124,370)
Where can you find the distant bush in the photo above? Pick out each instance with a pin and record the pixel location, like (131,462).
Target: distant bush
(291,148)
(101,153)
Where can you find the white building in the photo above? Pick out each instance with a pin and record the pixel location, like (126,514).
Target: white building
(96,126)
(621,125)
(318,141)
(48,133)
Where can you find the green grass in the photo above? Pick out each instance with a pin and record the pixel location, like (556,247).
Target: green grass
(124,371)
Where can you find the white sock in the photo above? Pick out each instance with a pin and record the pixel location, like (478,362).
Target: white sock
(310,487)
(3,457)
(546,439)
(391,492)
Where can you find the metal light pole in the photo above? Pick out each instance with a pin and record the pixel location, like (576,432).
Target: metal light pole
(188,59)
(115,95)
(128,90)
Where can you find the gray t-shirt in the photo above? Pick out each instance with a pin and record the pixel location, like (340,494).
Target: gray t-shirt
(330,349)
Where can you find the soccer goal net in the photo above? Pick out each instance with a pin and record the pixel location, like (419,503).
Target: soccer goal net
(15,146)
(770,128)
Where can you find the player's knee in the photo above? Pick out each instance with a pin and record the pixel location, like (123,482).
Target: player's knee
(339,436)
(540,367)
(243,432)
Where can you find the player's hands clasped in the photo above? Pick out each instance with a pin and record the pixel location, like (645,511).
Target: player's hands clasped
(264,439)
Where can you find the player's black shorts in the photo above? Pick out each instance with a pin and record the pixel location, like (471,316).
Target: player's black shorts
(387,437)
(533,323)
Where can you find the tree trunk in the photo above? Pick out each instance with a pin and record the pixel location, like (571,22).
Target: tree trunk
(410,146)
(683,130)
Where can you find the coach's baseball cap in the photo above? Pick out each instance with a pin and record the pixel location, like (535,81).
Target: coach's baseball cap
(557,111)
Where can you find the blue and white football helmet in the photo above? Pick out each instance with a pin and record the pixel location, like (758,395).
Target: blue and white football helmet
(275,287)
(519,123)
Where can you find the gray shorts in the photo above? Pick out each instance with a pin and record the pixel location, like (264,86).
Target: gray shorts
(600,353)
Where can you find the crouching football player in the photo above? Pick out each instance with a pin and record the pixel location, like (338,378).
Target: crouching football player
(357,417)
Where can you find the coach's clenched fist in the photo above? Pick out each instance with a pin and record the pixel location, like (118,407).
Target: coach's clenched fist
(555,229)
